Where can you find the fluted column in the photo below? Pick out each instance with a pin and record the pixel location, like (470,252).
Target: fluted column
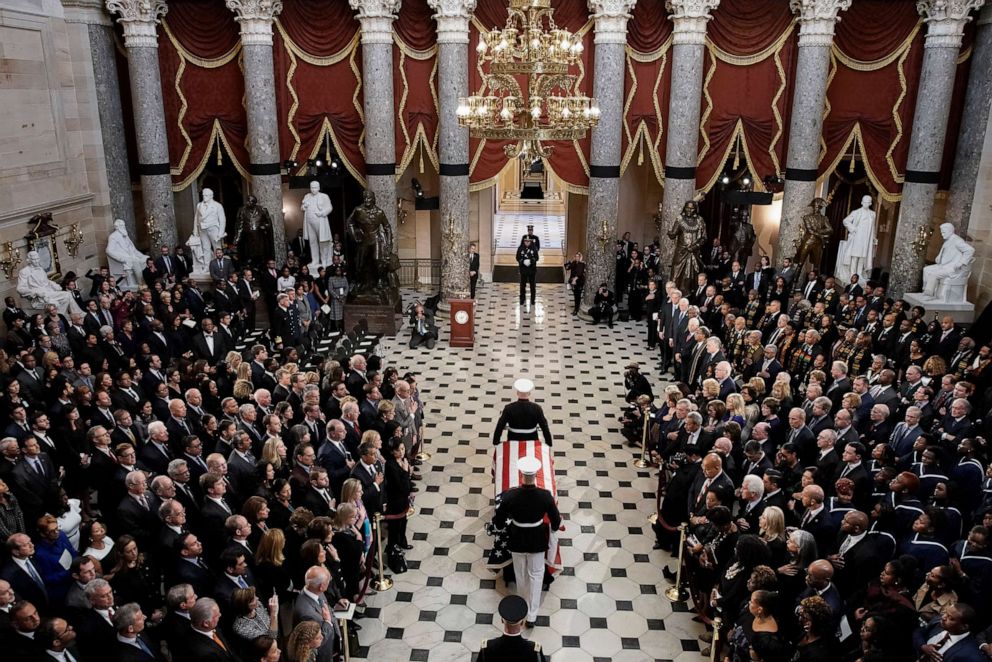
(255,18)
(682,146)
(452,39)
(974,123)
(945,21)
(604,164)
(139,19)
(817,19)
(100,31)
(376,18)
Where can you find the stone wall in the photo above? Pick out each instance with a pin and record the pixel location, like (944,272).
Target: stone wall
(980,229)
(51,151)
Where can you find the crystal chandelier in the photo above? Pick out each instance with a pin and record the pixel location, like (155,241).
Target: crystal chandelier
(528,95)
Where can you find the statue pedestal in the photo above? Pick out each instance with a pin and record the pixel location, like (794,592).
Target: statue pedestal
(382,319)
(962,312)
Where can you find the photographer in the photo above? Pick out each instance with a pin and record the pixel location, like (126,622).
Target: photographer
(603,306)
(424,331)
(576,279)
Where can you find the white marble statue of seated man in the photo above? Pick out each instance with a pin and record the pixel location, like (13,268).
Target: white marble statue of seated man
(953,261)
(124,257)
(33,283)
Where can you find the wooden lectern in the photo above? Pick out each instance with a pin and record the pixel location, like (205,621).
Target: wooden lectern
(462,322)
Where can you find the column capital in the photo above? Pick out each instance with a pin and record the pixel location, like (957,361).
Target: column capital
(452,18)
(376,17)
(255,18)
(690,18)
(611,20)
(139,19)
(945,20)
(817,19)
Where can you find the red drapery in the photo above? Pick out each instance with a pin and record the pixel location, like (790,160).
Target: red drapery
(202,87)
(569,159)
(747,89)
(318,71)
(874,75)
(415,85)
(647,86)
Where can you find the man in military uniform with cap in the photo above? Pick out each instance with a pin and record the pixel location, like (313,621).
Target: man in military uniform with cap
(522,510)
(511,646)
(522,418)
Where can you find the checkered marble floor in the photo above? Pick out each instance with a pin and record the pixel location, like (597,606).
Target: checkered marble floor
(509,228)
(608,603)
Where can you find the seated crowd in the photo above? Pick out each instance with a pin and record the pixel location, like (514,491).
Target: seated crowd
(164,496)
(825,450)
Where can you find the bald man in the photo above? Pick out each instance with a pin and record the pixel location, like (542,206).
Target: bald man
(711,478)
(816,519)
(859,558)
(819,581)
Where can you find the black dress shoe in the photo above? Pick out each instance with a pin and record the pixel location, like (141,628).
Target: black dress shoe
(406,546)
(531,624)
(668,574)
(355,626)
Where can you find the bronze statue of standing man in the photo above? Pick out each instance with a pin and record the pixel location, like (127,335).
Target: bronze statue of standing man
(689,234)
(375,262)
(816,230)
(253,237)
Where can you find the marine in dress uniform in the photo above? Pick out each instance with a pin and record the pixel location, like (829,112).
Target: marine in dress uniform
(522,418)
(511,646)
(522,510)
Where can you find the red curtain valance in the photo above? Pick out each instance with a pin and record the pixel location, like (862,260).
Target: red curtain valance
(747,89)
(415,85)
(202,88)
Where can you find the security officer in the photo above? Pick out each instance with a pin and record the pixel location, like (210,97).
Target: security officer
(522,511)
(511,646)
(534,239)
(522,418)
(527,256)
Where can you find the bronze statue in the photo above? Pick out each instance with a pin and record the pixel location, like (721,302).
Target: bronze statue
(375,263)
(659,222)
(253,237)
(689,234)
(816,230)
(743,237)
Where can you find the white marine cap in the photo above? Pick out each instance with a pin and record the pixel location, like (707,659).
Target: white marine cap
(523,385)
(529,465)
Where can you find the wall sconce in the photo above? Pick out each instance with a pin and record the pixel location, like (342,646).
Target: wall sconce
(11,259)
(74,239)
(922,239)
(154,234)
(401,211)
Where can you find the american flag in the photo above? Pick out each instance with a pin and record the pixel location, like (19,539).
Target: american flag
(505,476)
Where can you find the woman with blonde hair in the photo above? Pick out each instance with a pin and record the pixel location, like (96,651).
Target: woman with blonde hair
(348,542)
(771,529)
(51,360)
(312,377)
(710,389)
(782,392)
(351,492)
(244,372)
(736,409)
(233,361)
(758,384)
(274,452)
(243,389)
(304,641)
(252,618)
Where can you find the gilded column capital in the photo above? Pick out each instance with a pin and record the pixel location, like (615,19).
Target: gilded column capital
(376,17)
(452,18)
(690,18)
(255,18)
(611,20)
(945,20)
(817,19)
(139,19)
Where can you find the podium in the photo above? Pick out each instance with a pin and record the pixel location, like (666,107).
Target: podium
(462,318)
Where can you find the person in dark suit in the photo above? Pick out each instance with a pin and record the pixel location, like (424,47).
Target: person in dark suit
(511,646)
(176,628)
(35,481)
(206,642)
(168,266)
(312,605)
(22,574)
(948,637)
(855,563)
(711,478)
(473,268)
(819,576)
(55,638)
(300,247)
(946,343)
(852,466)
(815,518)
(189,567)
(220,266)
(370,475)
(241,469)
(335,457)
(208,344)
(132,644)
(94,626)
(135,514)
(318,498)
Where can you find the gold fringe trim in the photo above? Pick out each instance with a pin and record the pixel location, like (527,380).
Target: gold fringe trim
(709,106)
(354,98)
(738,134)
(327,130)
(965,55)
(882,62)
(826,105)
(216,136)
(778,116)
(316,60)
(748,60)
(413,52)
(205,63)
(893,170)
(571,188)
(855,135)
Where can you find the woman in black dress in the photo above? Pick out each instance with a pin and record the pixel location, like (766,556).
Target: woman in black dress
(818,642)
(135,578)
(397,472)
(280,508)
(348,543)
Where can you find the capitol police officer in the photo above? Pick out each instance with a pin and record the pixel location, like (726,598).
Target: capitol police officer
(527,256)
(511,646)
(522,510)
(522,418)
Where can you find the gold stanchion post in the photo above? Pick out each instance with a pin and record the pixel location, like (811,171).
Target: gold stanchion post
(678,593)
(423,455)
(344,634)
(717,623)
(642,461)
(383,583)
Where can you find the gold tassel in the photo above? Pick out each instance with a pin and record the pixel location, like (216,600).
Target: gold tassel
(421,157)
(640,153)
(220,151)
(737,151)
(854,152)
(327,149)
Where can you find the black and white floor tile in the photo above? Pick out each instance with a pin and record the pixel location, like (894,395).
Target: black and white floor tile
(608,604)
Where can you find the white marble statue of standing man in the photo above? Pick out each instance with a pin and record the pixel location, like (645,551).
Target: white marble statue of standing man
(124,257)
(210,223)
(953,261)
(859,248)
(316,229)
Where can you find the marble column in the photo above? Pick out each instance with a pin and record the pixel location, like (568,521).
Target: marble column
(817,19)
(610,18)
(376,18)
(255,18)
(945,20)
(974,123)
(100,30)
(452,39)
(682,144)
(139,19)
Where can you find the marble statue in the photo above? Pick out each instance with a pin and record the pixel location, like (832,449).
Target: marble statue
(124,258)
(33,284)
(375,262)
(947,279)
(689,234)
(814,233)
(209,224)
(316,229)
(253,237)
(854,255)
